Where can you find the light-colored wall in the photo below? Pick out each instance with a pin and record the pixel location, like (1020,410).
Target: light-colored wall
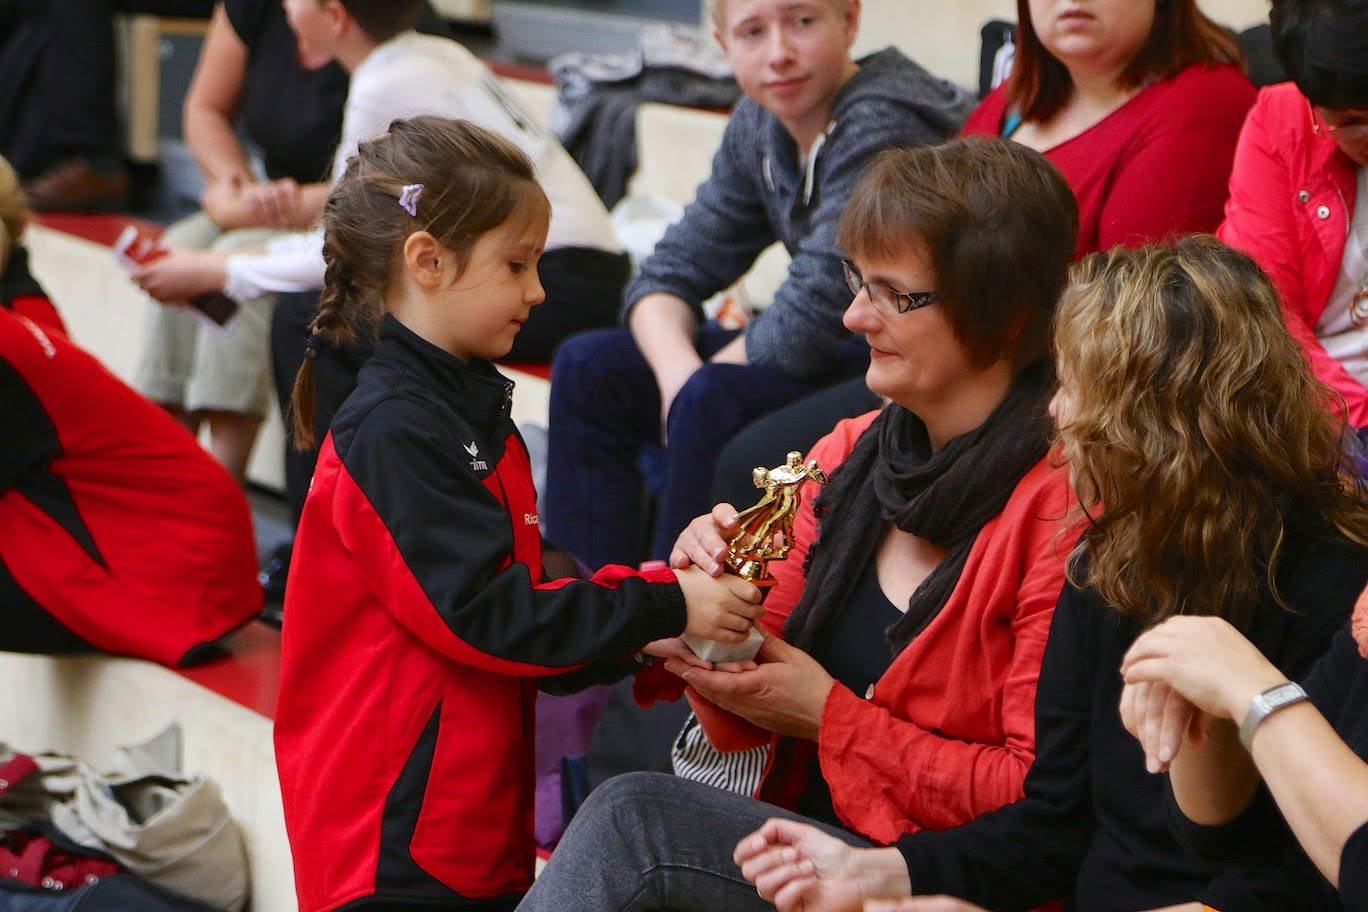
(943,35)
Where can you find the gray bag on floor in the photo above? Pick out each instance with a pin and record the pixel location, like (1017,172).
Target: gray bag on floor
(172,831)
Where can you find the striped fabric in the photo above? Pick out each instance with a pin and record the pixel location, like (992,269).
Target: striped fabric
(693,757)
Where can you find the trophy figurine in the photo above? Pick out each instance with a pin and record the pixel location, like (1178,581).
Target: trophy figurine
(764,533)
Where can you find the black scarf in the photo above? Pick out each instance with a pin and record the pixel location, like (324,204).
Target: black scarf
(891,476)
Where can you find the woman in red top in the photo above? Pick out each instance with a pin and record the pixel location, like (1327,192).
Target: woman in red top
(1137,102)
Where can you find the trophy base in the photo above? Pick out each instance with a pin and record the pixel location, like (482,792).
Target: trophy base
(713,651)
(754,572)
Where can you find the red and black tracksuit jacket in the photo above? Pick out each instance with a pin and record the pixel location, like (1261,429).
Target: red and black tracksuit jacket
(417,628)
(117,530)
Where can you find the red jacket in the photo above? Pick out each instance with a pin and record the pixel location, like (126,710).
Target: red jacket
(1154,167)
(949,730)
(113,520)
(1292,195)
(417,628)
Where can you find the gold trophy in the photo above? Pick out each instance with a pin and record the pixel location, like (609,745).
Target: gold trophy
(764,533)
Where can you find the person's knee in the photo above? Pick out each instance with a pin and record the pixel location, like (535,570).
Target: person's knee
(706,405)
(634,794)
(584,365)
(710,387)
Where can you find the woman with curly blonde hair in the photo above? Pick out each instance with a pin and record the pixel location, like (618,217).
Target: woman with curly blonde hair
(1188,411)
(1215,483)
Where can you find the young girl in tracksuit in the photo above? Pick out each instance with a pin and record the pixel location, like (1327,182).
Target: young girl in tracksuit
(419,624)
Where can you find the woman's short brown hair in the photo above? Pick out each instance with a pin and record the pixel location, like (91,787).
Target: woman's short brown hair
(999,224)
(1181,36)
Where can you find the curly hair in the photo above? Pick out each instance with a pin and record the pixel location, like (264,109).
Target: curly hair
(1197,438)
(474,181)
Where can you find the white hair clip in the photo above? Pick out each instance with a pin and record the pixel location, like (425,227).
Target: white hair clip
(409,198)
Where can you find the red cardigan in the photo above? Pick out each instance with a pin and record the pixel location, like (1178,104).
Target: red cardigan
(1156,166)
(949,730)
(1292,193)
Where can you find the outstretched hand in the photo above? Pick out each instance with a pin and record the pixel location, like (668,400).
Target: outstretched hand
(675,648)
(785,692)
(723,609)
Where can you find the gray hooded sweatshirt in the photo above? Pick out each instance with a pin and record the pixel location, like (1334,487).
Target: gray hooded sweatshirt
(760,192)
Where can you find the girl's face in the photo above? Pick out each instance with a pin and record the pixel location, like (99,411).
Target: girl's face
(915,358)
(1099,35)
(485,306)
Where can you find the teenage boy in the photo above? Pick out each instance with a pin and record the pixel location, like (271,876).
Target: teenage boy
(796,144)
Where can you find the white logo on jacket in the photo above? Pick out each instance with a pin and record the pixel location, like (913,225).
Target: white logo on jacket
(476,464)
(531,519)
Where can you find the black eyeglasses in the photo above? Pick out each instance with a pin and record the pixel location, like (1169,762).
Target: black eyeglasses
(883,298)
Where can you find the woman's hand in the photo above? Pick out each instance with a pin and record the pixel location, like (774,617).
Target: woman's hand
(675,648)
(703,543)
(1158,716)
(182,274)
(800,868)
(785,693)
(224,203)
(1206,661)
(277,204)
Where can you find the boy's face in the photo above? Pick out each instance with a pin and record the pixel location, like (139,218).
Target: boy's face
(791,56)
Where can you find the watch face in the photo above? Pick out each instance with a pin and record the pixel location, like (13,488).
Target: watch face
(1277,696)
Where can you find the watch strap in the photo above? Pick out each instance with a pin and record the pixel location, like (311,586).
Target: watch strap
(1267,703)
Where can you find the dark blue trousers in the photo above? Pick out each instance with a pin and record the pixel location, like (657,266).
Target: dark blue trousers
(605,414)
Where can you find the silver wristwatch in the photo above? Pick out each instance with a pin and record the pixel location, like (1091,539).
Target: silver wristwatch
(1267,703)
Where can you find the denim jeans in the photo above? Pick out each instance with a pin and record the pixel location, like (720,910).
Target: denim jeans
(652,841)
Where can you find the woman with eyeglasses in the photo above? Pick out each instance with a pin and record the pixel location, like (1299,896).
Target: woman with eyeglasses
(1299,189)
(897,680)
